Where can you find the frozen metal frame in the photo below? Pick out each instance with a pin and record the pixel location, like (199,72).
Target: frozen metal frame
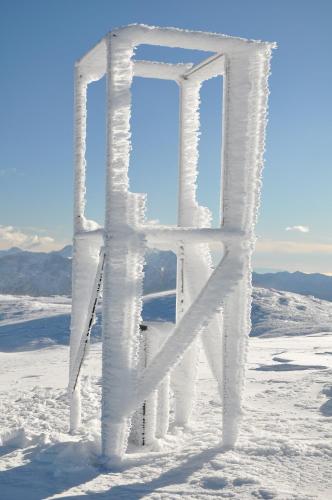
(244,66)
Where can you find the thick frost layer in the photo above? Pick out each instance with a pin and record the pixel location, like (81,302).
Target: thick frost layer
(151,420)
(122,301)
(94,64)
(184,374)
(85,263)
(245,66)
(245,105)
(194,261)
(193,322)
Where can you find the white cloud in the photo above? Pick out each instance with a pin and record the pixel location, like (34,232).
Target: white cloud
(37,241)
(11,236)
(292,247)
(299,229)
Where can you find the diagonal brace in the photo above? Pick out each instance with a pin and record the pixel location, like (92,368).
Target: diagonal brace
(229,272)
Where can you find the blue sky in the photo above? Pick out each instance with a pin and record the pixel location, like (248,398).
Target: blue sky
(40,40)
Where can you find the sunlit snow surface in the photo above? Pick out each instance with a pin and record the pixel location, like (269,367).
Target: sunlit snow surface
(285,447)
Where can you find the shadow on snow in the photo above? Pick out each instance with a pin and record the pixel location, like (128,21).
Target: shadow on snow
(50,470)
(39,333)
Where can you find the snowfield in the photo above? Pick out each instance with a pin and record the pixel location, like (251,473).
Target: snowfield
(274,312)
(285,447)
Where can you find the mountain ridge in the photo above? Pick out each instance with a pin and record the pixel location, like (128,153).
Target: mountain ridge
(315,284)
(23,272)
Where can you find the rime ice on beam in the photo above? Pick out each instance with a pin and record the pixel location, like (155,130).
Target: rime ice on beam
(245,108)
(86,251)
(201,295)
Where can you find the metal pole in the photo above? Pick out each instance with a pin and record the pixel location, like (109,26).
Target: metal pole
(79,205)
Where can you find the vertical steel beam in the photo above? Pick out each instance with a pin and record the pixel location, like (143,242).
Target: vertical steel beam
(79,206)
(245,105)
(184,374)
(117,334)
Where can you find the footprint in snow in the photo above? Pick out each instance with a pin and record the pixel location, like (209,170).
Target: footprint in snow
(285,367)
(326,408)
(214,483)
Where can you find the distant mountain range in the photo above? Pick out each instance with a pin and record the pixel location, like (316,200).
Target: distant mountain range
(44,274)
(34,273)
(10,251)
(318,285)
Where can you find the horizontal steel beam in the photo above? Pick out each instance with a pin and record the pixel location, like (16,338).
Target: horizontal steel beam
(173,234)
(210,67)
(170,234)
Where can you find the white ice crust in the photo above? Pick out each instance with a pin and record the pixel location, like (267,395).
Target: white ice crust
(213,305)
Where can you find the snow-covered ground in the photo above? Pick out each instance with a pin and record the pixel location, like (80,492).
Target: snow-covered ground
(274,312)
(285,447)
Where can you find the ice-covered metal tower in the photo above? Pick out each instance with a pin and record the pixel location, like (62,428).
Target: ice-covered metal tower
(212,304)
